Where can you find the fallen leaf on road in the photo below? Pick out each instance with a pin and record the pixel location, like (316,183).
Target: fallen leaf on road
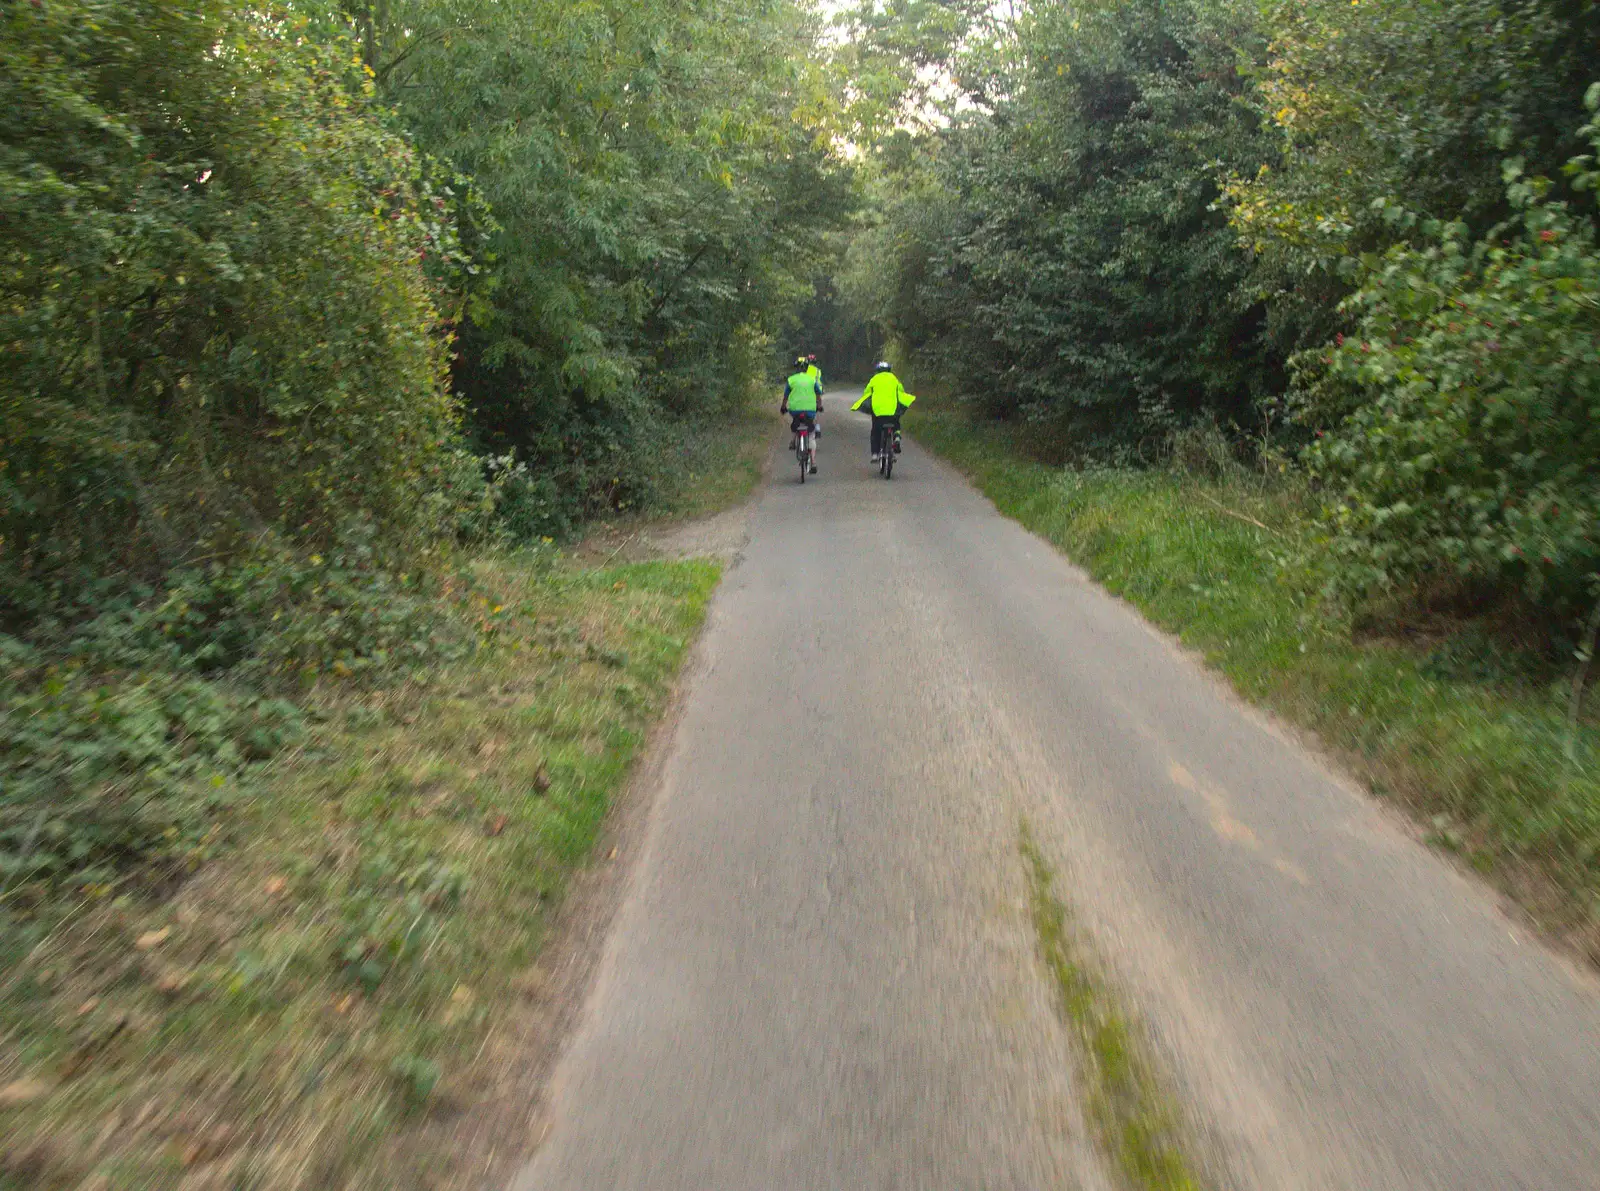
(276,885)
(460,1002)
(209,1147)
(153,938)
(531,983)
(497,824)
(85,1054)
(541,779)
(23,1091)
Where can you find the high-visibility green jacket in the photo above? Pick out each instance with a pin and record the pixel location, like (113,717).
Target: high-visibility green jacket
(800,393)
(887,395)
(815,374)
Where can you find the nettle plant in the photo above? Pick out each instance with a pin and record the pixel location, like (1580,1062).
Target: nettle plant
(1461,418)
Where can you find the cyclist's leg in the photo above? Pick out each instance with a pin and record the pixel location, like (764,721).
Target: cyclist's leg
(877,436)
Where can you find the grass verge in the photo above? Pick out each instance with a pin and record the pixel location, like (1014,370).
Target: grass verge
(712,465)
(723,464)
(330,973)
(1130,1113)
(1451,725)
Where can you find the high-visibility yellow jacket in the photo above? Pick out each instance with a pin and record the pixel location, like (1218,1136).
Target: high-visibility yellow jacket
(800,394)
(815,374)
(887,395)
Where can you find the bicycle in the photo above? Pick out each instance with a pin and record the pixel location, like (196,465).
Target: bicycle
(803,444)
(890,444)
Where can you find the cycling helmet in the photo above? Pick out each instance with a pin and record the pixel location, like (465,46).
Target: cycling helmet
(800,360)
(882,366)
(811,359)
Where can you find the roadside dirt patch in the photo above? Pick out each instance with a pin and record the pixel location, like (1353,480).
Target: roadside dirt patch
(721,535)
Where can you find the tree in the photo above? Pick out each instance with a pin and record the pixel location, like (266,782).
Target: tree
(215,294)
(661,176)
(1050,253)
(1398,100)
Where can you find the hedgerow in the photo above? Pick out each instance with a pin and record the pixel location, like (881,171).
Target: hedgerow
(1463,449)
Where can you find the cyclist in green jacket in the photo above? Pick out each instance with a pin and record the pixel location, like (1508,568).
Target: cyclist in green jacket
(813,371)
(802,401)
(888,398)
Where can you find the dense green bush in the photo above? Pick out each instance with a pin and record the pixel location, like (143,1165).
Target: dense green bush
(1463,449)
(132,719)
(287,615)
(215,297)
(1405,100)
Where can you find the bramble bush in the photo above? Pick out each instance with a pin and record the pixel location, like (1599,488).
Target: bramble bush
(1462,413)
(132,720)
(303,617)
(105,773)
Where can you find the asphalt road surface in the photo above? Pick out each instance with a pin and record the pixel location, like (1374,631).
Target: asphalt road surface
(823,974)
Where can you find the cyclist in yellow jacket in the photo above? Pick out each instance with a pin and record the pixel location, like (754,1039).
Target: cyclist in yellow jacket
(888,399)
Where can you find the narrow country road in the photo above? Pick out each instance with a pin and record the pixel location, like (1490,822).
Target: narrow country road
(824,976)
